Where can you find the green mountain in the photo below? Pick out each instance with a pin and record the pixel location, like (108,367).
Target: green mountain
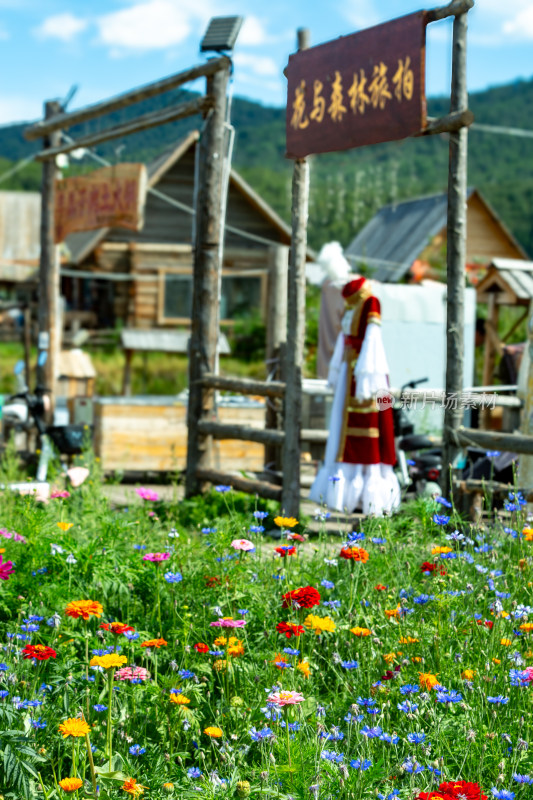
(346,188)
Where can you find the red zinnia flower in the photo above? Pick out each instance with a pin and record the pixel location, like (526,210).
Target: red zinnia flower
(289,629)
(305,597)
(428,566)
(116,627)
(381,588)
(38,651)
(211,581)
(286,550)
(455,790)
(295,537)
(488,623)
(200,647)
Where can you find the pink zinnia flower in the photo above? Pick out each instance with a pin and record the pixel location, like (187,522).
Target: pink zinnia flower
(527,674)
(228,622)
(132,673)
(243,544)
(17,537)
(157,557)
(285,698)
(57,493)
(6,568)
(77,475)
(147,494)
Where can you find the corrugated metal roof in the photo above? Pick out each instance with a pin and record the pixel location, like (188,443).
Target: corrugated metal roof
(20,220)
(398,233)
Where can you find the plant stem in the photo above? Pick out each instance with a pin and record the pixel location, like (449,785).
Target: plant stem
(109,724)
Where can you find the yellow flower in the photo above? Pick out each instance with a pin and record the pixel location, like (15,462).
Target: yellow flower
(319,624)
(75,727)
(65,526)
(527,626)
(2,549)
(285,522)
(428,680)
(389,657)
(219,664)
(109,661)
(235,647)
(179,699)
(407,640)
(496,661)
(392,612)
(416,659)
(527,533)
(438,550)
(506,642)
(357,631)
(468,674)
(220,641)
(131,786)
(213,732)
(304,668)
(70,784)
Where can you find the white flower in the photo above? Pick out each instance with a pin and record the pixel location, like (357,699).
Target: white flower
(56,549)
(71,560)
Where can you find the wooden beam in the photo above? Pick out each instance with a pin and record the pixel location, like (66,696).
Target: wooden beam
(448,124)
(455,245)
(206,280)
(143,123)
(295,328)
(453,9)
(492,440)
(267,490)
(66,120)
(219,430)
(516,325)
(243,385)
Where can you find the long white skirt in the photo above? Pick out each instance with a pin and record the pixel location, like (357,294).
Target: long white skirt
(373,488)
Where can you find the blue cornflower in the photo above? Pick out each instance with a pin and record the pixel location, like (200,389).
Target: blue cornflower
(290,651)
(137,750)
(366,702)
(522,778)
(378,540)
(209,530)
(194,772)
(350,718)
(139,547)
(358,763)
(416,738)
(100,707)
(260,514)
(173,577)
(422,599)
(356,537)
(349,664)
(258,736)
(105,651)
(38,723)
(256,529)
(294,726)
(33,618)
(440,519)
(30,628)
(499,700)
(412,766)
(331,755)
(502,794)
(332,603)
(336,735)
(409,688)
(407,707)
(222,489)
(242,611)
(371,733)
(391,738)
(3,694)
(3,667)
(327,584)
(216,653)
(131,635)
(450,696)
(185,673)
(443,502)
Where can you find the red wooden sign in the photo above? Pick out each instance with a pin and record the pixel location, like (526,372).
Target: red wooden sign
(108,197)
(357,90)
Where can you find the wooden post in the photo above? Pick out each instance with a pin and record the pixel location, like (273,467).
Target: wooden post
(207,270)
(525,463)
(126,380)
(456,253)
(49,301)
(290,498)
(27,344)
(276,334)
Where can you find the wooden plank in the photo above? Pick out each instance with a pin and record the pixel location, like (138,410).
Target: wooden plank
(243,385)
(68,119)
(224,431)
(452,9)
(491,440)
(261,488)
(142,123)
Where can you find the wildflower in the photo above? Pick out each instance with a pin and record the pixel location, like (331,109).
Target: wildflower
(440,519)
(70,784)
(185,674)
(331,755)
(71,559)
(437,551)
(285,522)
(38,651)
(502,794)
(285,550)
(156,557)
(283,698)
(468,674)
(131,786)
(179,699)
(393,612)
(77,476)
(173,577)
(194,772)
(522,778)
(99,707)
(407,640)
(319,624)
(157,643)
(213,732)
(6,568)
(416,738)
(305,597)
(74,727)
(116,627)
(108,661)
(133,674)
(499,700)
(222,489)
(137,750)
(289,629)
(349,664)
(228,622)
(147,494)
(362,764)
(427,680)
(357,631)
(304,668)
(65,526)
(454,790)
(245,545)
(200,647)
(379,587)
(354,554)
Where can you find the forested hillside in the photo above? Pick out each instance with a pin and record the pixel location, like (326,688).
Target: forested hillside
(346,188)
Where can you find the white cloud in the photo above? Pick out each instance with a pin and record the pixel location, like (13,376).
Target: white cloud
(258,65)
(15,108)
(252,32)
(521,24)
(360,13)
(61,26)
(3,33)
(152,25)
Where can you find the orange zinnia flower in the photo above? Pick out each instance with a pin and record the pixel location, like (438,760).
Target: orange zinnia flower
(407,640)
(304,668)
(213,732)
(392,612)
(357,631)
(75,727)
(354,554)
(70,784)
(84,608)
(131,786)
(117,627)
(427,680)
(154,643)
(527,626)
(527,533)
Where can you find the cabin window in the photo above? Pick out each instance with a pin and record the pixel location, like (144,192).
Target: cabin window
(241,295)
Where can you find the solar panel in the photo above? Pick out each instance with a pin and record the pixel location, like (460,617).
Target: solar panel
(221,34)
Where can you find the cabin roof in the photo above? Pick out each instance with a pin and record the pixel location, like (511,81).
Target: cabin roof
(511,276)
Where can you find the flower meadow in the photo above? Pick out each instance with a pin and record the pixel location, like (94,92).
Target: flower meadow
(145,655)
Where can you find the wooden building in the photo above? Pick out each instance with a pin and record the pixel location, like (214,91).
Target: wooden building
(144,279)
(407,240)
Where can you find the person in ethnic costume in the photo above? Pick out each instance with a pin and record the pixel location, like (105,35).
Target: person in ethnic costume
(360,453)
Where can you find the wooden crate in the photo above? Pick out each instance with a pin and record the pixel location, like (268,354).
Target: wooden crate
(149,434)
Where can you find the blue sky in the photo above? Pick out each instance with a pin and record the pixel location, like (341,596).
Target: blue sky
(109,46)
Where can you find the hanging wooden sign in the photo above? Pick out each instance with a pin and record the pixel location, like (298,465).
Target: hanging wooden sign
(109,197)
(360,89)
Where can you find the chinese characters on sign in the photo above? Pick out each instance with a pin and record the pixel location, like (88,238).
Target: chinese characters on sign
(108,197)
(358,90)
